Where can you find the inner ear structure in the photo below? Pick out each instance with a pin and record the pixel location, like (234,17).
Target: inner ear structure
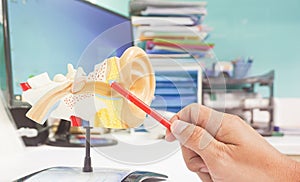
(89,97)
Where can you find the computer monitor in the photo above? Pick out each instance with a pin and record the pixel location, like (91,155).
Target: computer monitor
(45,35)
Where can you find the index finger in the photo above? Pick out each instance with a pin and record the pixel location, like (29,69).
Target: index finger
(169,136)
(202,116)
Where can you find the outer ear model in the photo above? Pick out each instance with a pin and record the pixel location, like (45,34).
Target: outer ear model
(136,75)
(90,97)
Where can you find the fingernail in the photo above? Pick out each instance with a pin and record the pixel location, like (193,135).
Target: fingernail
(178,126)
(169,138)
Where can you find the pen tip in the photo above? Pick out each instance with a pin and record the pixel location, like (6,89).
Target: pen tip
(111,82)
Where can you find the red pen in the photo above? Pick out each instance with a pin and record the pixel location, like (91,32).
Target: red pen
(139,103)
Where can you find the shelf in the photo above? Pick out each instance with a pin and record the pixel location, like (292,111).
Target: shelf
(243,90)
(239,91)
(244,109)
(265,79)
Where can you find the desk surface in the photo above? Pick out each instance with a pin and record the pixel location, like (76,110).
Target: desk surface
(37,158)
(33,159)
(289,145)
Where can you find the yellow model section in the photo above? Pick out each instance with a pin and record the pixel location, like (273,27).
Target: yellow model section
(109,117)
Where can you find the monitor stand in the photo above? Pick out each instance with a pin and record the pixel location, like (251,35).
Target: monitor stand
(63,138)
(87,173)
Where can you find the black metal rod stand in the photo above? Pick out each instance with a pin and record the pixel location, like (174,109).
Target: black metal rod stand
(87,160)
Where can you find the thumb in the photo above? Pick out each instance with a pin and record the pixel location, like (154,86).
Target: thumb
(194,137)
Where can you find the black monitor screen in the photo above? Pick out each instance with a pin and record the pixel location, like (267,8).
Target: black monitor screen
(46,35)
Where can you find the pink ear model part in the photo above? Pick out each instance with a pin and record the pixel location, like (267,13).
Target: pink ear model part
(136,101)
(137,76)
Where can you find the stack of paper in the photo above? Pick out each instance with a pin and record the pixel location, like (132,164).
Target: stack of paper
(173,29)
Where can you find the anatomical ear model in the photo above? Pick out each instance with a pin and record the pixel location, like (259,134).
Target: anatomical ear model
(89,96)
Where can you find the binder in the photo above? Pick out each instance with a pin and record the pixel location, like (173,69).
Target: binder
(137,6)
(174,11)
(164,21)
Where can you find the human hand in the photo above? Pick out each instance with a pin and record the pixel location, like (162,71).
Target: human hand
(222,147)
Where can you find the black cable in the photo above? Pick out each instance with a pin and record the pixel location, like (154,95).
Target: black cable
(45,128)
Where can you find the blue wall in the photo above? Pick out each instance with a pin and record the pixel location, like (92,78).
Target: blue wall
(266,30)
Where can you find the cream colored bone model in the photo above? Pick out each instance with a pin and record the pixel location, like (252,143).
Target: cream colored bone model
(90,97)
